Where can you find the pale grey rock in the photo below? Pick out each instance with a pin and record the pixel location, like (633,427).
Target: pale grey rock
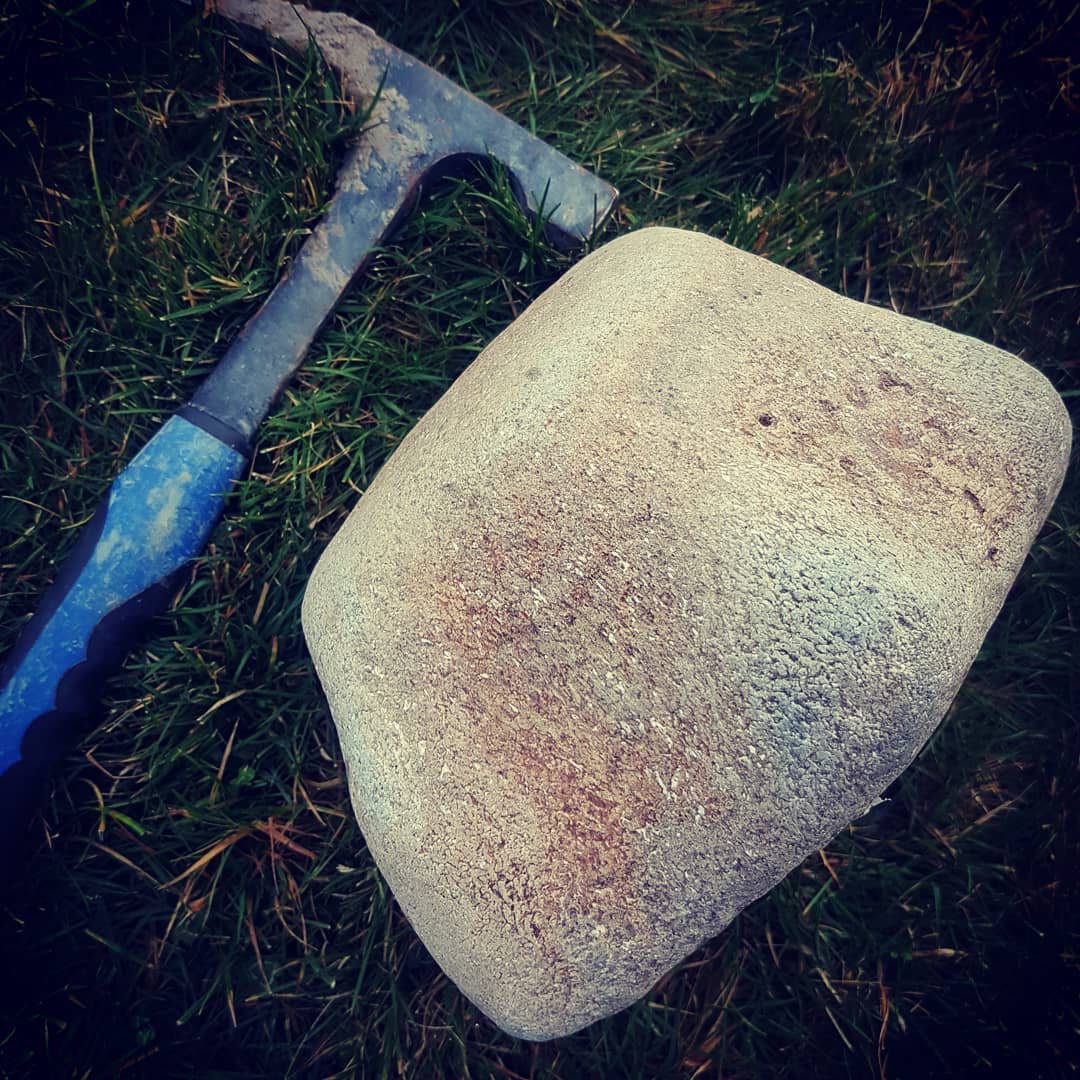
(666,589)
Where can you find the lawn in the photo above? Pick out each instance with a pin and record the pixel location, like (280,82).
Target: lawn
(200,901)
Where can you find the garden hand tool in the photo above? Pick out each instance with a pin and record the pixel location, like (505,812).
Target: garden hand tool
(160,511)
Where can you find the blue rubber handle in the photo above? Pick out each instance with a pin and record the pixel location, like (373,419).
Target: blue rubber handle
(157,516)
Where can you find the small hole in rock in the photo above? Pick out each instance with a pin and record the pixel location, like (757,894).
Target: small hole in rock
(765,420)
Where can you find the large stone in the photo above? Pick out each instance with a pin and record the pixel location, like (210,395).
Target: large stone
(670,584)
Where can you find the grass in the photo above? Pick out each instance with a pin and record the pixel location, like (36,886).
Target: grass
(201,903)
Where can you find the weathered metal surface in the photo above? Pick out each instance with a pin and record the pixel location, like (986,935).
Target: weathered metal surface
(421,125)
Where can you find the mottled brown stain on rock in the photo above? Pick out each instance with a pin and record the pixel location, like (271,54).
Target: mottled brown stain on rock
(539,615)
(909,462)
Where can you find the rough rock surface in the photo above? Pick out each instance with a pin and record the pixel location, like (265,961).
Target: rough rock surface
(673,581)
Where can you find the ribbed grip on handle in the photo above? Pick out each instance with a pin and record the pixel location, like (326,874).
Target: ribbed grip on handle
(157,516)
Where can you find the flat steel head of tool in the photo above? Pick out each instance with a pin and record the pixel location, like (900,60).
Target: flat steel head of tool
(419,125)
(421,121)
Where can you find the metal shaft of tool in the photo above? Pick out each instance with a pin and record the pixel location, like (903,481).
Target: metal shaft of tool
(241,389)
